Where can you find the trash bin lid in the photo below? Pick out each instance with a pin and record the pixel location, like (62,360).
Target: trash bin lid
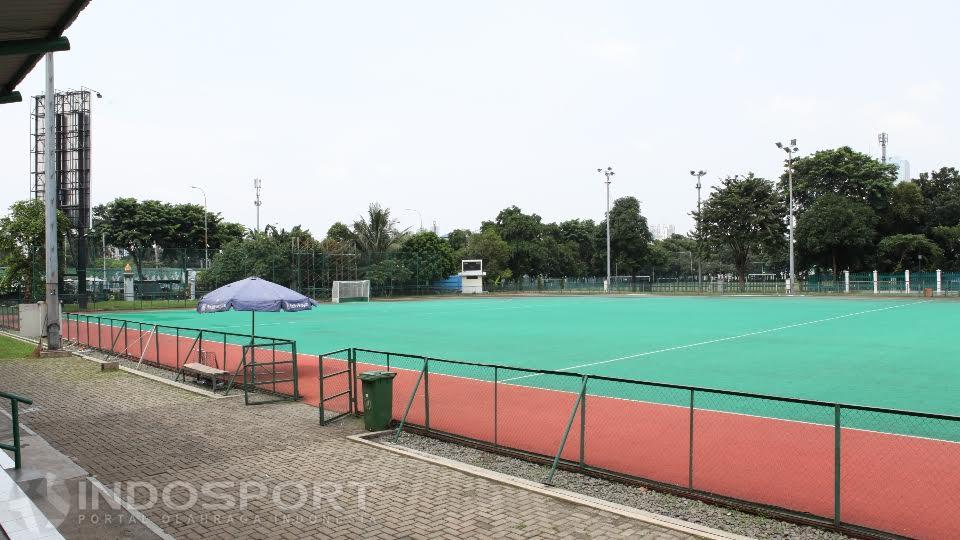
(376,375)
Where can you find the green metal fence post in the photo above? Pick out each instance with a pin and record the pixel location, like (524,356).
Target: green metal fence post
(177,340)
(296,374)
(426,394)
(690,479)
(836,465)
(566,432)
(15,418)
(243,366)
(583,420)
(496,384)
(352,384)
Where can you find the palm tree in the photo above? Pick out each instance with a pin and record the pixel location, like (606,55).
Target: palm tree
(377,234)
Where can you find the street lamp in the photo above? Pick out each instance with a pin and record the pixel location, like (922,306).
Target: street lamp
(609,174)
(790,149)
(699,175)
(418,215)
(206,241)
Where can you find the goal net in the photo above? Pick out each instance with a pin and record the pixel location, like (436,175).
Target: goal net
(350,291)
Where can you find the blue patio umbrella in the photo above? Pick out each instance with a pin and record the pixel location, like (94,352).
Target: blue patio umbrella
(254,294)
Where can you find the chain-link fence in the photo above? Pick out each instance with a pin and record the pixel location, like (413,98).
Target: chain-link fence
(10,317)
(861,470)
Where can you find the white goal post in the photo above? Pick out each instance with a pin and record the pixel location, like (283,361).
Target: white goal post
(350,291)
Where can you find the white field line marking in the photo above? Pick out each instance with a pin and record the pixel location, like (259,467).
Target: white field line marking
(720,340)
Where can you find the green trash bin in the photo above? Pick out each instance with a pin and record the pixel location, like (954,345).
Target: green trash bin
(377,399)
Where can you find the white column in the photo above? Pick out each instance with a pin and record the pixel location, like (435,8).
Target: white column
(906,278)
(876,284)
(846,281)
(939,282)
(50,208)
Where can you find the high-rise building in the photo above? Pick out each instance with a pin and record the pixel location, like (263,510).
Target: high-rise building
(662,231)
(903,168)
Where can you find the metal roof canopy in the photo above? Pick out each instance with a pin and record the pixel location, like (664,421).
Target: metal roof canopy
(28,29)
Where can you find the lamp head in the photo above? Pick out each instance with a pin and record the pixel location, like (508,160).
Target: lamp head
(779,145)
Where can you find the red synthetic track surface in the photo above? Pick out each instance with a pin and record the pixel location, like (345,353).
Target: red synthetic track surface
(901,484)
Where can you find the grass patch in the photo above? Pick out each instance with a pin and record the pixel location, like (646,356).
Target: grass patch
(14,348)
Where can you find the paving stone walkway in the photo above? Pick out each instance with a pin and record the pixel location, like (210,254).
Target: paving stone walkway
(203,468)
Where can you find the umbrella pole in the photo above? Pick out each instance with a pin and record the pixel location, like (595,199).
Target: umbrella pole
(253,326)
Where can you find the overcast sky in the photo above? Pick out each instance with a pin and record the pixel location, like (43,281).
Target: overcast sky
(460,109)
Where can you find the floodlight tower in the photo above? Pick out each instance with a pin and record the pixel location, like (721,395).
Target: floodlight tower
(699,175)
(790,149)
(609,174)
(257,202)
(883,138)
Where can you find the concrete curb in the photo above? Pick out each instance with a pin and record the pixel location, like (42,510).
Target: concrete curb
(693,529)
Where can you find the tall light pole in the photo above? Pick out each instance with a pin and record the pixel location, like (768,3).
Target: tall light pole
(609,174)
(699,175)
(206,241)
(256,187)
(418,215)
(790,149)
(52,324)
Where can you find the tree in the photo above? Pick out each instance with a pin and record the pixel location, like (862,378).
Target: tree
(948,238)
(493,250)
(676,254)
(906,212)
(428,257)
(263,254)
(523,233)
(941,195)
(630,236)
(378,233)
(339,232)
(841,171)
(900,252)
(582,235)
(135,226)
(458,238)
(22,239)
(835,231)
(744,215)
(225,232)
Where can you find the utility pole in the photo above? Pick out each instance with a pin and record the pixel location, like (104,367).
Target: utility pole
(699,175)
(790,149)
(206,240)
(50,208)
(883,138)
(609,174)
(257,202)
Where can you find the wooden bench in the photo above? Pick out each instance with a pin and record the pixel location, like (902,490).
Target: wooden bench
(201,371)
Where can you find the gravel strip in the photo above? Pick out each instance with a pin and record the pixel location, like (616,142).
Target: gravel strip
(634,496)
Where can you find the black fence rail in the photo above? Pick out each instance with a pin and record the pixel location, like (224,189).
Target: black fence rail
(865,471)
(10,317)
(229,359)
